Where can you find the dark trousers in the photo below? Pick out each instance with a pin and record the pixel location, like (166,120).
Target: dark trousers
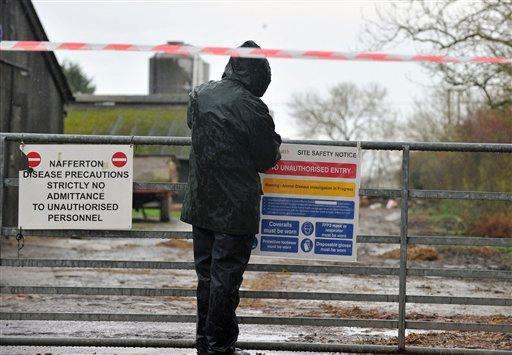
(220,261)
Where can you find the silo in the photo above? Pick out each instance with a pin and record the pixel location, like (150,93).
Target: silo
(176,75)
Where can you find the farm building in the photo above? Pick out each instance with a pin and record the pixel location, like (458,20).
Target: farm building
(139,115)
(33,88)
(161,113)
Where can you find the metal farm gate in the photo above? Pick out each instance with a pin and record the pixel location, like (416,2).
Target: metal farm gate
(401,272)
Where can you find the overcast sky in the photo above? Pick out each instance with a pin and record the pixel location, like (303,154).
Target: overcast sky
(307,25)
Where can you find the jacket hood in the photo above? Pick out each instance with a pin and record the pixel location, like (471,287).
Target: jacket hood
(253,73)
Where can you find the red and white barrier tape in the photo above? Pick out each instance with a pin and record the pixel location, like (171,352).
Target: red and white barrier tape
(187,50)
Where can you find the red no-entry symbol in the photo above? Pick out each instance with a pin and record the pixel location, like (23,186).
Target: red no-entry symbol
(34,159)
(119,159)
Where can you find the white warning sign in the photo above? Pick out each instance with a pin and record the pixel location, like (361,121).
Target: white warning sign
(76,186)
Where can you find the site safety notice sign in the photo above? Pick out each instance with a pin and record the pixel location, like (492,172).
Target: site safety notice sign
(76,186)
(310,204)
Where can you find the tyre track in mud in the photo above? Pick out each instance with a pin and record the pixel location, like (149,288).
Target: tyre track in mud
(372,222)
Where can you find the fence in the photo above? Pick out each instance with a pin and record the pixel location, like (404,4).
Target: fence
(402,298)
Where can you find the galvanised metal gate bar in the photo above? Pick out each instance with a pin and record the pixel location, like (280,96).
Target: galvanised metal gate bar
(404,193)
(290,346)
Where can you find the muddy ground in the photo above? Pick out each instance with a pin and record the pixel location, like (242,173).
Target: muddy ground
(377,221)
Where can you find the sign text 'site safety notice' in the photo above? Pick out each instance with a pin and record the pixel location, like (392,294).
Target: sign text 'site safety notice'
(310,204)
(76,186)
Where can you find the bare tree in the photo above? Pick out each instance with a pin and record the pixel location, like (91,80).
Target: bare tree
(439,112)
(350,112)
(347,113)
(457,28)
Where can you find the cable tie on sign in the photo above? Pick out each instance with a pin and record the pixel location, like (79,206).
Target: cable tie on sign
(131,141)
(20,240)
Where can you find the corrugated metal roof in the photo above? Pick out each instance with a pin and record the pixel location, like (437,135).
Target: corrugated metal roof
(131,121)
(112,100)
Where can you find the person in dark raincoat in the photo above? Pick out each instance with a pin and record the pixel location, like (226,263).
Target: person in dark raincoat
(233,139)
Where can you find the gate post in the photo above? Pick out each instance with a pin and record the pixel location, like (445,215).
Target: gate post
(3,172)
(404,212)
